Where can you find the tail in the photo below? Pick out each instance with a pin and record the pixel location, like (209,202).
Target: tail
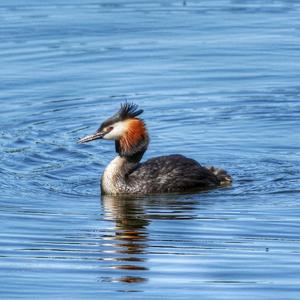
(222,175)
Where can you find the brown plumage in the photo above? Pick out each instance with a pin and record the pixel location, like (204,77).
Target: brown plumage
(135,132)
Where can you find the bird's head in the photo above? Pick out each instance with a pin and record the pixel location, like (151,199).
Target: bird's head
(125,128)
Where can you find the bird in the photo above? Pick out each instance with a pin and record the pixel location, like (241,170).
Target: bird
(126,174)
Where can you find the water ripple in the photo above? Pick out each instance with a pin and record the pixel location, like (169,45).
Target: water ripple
(216,85)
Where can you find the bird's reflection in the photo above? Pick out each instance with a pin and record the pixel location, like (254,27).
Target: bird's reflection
(129,240)
(130,236)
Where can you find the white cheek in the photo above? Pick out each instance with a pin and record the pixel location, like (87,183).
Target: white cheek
(117,132)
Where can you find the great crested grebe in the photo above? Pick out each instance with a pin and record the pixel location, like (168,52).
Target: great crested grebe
(165,174)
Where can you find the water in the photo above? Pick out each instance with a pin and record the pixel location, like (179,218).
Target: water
(219,82)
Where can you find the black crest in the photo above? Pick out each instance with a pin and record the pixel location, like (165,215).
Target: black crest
(128,110)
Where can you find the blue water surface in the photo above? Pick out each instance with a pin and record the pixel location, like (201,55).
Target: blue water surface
(219,82)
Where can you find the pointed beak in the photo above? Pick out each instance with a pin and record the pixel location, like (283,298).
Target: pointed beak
(88,138)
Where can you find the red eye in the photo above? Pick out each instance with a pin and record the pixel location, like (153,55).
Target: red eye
(110,128)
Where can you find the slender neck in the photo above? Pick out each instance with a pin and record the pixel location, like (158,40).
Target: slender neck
(114,179)
(135,152)
(123,166)
(130,148)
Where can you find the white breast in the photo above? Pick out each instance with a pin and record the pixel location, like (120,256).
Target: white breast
(110,176)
